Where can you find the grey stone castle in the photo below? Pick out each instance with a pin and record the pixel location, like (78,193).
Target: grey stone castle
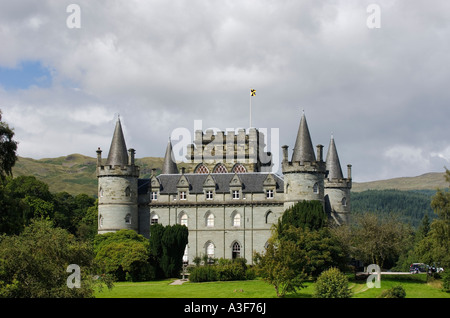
(227,197)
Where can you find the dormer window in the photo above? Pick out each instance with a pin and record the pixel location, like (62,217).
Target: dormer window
(154,195)
(182,195)
(269,194)
(209,195)
(235,194)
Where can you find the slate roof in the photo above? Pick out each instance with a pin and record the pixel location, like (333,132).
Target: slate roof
(118,154)
(303,148)
(333,165)
(251,182)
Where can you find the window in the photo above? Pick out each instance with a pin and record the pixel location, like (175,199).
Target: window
(269,194)
(235,194)
(209,195)
(236,250)
(220,168)
(127,192)
(210,251)
(128,219)
(101,193)
(100,221)
(184,219)
(239,168)
(182,195)
(210,220)
(154,195)
(344,201)
(269,217)
(201,168)
(237,220)
(154,219)
(316,188)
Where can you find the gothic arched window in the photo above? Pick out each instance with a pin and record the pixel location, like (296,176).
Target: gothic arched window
(239,168)
(236,250)
(220,168)
(201,168)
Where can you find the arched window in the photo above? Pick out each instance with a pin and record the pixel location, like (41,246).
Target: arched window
(316,188)
(237,219)
(127,192)
(209,219)
(183,219)
(236,250)
(220,168)
(210,251)
(344,201)
(269,217)
(154,219)
(100,193)
(100,220)
(186,255)
(201,168)
(128,219)
(239,168)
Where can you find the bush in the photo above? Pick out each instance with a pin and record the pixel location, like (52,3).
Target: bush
(446,281)
(394,292)
(203,274)
(332,283)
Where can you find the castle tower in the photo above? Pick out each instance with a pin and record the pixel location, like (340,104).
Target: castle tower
(169,164)
(337,188)
(117,186)
(304,174)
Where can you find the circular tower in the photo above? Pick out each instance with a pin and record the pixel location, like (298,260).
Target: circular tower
(337,188)
(117,187)
(303,175)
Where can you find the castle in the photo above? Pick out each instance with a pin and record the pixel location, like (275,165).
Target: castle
(228,198)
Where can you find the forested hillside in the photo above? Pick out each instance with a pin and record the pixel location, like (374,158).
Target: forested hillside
(409,206)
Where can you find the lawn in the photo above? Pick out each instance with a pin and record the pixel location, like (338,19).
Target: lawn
(416,286)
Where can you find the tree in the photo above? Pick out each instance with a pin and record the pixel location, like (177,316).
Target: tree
(124,254)
(304,214)
(376,241)
(34,263)
(282,265)
(332,283)
(174,241)
(8,148)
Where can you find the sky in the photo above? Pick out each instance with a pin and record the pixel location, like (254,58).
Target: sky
(373,74)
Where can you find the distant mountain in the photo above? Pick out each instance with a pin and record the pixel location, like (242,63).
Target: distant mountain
(427,181)
(76,174)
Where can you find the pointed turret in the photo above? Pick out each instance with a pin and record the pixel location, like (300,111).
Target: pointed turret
(333,164)
(169,165)
(303,149)
(118,155)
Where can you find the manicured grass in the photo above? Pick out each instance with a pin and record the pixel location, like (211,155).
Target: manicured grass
(416,286)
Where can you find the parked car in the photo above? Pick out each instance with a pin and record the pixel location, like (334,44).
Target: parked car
(416,268)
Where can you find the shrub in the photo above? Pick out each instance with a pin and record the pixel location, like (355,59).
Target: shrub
(203,274)
(332,283)
(446,281)
(394,292)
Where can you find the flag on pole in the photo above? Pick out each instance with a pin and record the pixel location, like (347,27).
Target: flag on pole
(252,92)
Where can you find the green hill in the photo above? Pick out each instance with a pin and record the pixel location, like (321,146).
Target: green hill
(75,174)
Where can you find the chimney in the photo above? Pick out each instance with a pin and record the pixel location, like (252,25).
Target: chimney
(285,153)
(99,157)
(319,153)
(131,152)
(349,171)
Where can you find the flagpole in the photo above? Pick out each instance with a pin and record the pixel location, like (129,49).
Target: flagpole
(250,110)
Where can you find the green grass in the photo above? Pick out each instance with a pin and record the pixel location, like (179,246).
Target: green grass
(415,286)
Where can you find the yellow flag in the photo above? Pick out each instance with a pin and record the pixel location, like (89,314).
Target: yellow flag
(252,92)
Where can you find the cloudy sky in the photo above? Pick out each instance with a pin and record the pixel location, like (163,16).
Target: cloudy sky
(375,74)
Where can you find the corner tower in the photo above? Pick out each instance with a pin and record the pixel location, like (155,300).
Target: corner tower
(304,174)
(337,188)
(117,186)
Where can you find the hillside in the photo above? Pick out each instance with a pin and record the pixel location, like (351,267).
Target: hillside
(76,174)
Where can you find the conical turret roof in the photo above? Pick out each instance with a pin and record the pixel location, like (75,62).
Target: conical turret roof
(303,149)
(333,165)
(169,165)
(118,155)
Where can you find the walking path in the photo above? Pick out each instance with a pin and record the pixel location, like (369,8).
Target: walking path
(179,281)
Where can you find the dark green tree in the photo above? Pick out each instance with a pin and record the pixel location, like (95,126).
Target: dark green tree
(34,263)
(304,214)
(8,148)
(174,241)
